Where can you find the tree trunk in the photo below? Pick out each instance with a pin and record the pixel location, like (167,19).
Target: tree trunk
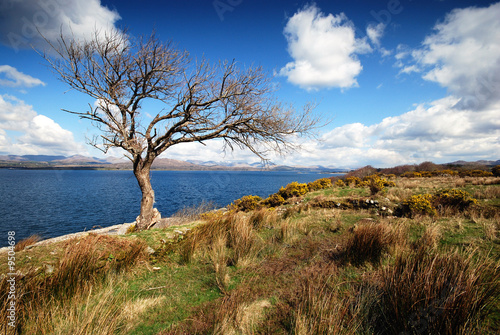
(149,215)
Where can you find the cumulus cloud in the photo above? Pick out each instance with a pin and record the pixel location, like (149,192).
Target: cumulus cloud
(463,55)
(39,134)
(324,49)
(14,78)
(440,133)
(22,22)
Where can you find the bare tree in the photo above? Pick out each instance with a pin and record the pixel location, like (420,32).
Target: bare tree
(196,102)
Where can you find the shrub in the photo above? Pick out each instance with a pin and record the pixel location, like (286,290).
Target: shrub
(426,204)
(247,203)
(496,171)
(353,181)
(447,172)
(475,173)
(452,198)
(340,183)
(319,184)
(411,174)
(274,200)
(293,189)
(416,204)
(376,185)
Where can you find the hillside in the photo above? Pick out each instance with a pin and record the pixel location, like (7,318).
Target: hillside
(380,254)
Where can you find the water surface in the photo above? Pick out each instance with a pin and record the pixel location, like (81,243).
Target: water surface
(57,202)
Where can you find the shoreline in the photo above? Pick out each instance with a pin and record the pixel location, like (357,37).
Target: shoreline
(118,229)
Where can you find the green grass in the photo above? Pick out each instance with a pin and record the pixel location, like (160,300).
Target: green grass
(183,289)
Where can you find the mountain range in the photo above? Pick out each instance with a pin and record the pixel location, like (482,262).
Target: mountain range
(112,163)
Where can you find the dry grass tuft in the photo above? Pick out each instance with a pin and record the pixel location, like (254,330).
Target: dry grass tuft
(22,244)
(424,292)
(240,318)
(323,303)
(219,258)
(368,243)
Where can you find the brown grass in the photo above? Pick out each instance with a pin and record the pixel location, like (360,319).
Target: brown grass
(242,239)
(323,303)
(368,243)
(219,258)
(428,293)
(22,244)
(84,263)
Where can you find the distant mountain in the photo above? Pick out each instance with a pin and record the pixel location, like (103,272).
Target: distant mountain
(480,162)
(238,164)
(83,162)
(80,160)
(31,158)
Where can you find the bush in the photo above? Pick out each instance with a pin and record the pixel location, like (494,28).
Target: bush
(293,189)
(411,174)
(426,204)
(274,200)
(452,198)
(416,204)
(376,183)
(353,181)
(496,171)
(247,203)
(319,184)
(475,173)
(340,183)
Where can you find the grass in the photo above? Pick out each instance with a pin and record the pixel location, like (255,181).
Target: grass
(302,268)
(21,245)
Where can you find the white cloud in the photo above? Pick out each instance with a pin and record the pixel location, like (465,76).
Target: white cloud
(440,133)
(14,78)
(375,33)
(14,113)
(463,55)
(22,22)
(39,134)
(324,49)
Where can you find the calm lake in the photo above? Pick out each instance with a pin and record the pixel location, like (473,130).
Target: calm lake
(57,202)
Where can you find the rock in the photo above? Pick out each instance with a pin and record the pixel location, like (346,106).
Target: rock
(156,268)
(49,269)
(150,251)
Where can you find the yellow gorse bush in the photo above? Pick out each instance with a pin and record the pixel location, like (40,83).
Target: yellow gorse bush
(454,198)
(293,189)
(427,204)
(320,184)
(247,203)
(418,204)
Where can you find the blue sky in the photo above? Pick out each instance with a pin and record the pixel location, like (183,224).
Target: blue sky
(401,81)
